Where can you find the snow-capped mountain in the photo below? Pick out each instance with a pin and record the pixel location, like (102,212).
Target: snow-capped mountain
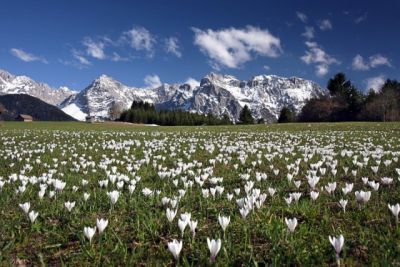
(11,84)
(97,99)
(265,95)
(218,94)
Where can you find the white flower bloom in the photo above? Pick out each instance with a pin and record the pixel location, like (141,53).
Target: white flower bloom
(101,225)
(182,225)
(170,214)
(395,209)
(89,232)
(224,221)
(113,195)
(337,243)
(86,196)
(175,248)
(32,216)
(69,205)
(214,246)
(25,207)
(314,195)
(193,226)
(343,203)
(291,224)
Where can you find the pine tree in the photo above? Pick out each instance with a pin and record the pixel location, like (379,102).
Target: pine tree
(245,116)
(287,115)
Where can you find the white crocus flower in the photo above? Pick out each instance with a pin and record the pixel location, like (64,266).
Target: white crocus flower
(224,221)
(89,232)
(101,225)
(170,214)
(175,248)
(395,209)
(314,195)
(214,246)
(25,207)
(69,205)
(32,216)
(86,196)
(291,224)
(113,195)
(182,225)
(193,226)
(337,243)
(343,204)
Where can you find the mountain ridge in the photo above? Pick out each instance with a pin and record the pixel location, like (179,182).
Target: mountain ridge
(218,94)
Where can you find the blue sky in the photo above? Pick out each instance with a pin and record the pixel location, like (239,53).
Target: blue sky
(140,43)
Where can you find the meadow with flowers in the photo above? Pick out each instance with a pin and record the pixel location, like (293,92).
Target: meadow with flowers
(297,194)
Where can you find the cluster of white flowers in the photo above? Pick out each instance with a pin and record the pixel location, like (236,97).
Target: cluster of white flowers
(308,168)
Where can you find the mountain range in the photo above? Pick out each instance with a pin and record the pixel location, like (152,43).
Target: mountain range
(218,94)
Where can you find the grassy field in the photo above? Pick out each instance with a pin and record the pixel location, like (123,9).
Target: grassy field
(257,176)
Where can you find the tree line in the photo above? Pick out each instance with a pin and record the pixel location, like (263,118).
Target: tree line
(344,102)
(143,112)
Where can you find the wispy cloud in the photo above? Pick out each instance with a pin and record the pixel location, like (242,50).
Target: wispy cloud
(316,55)
(361,18)
(78,60)
(232,47)
(325,24)
(118,58)
(27,57)
(152,81)
(172,46)
(309,32)
(359,63)
(139,38)
(94,49)
(301,16)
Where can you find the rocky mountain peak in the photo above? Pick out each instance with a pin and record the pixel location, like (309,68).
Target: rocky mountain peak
(218,94)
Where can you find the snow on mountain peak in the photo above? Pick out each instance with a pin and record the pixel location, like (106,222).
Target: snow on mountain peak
(218,94)
(11,84)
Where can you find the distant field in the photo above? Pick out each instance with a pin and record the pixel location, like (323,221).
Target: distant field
(256,175)
(347,126)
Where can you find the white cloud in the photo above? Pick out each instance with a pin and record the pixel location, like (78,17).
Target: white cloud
(152,81)
(325,24)
(316,55)
(359,63)
(192,82)
(232,47)
(373,61)
(140,38)
(309,32)
(117,58)
(375,83)
(80,58)
(301,16)
(172,46)
(267,68)
(361,18)
(94,49)
(321,70)
(379,60)
(25,56)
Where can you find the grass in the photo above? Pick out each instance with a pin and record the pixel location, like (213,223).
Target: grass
(138,231)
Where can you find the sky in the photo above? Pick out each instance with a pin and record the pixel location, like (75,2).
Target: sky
(145,43)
